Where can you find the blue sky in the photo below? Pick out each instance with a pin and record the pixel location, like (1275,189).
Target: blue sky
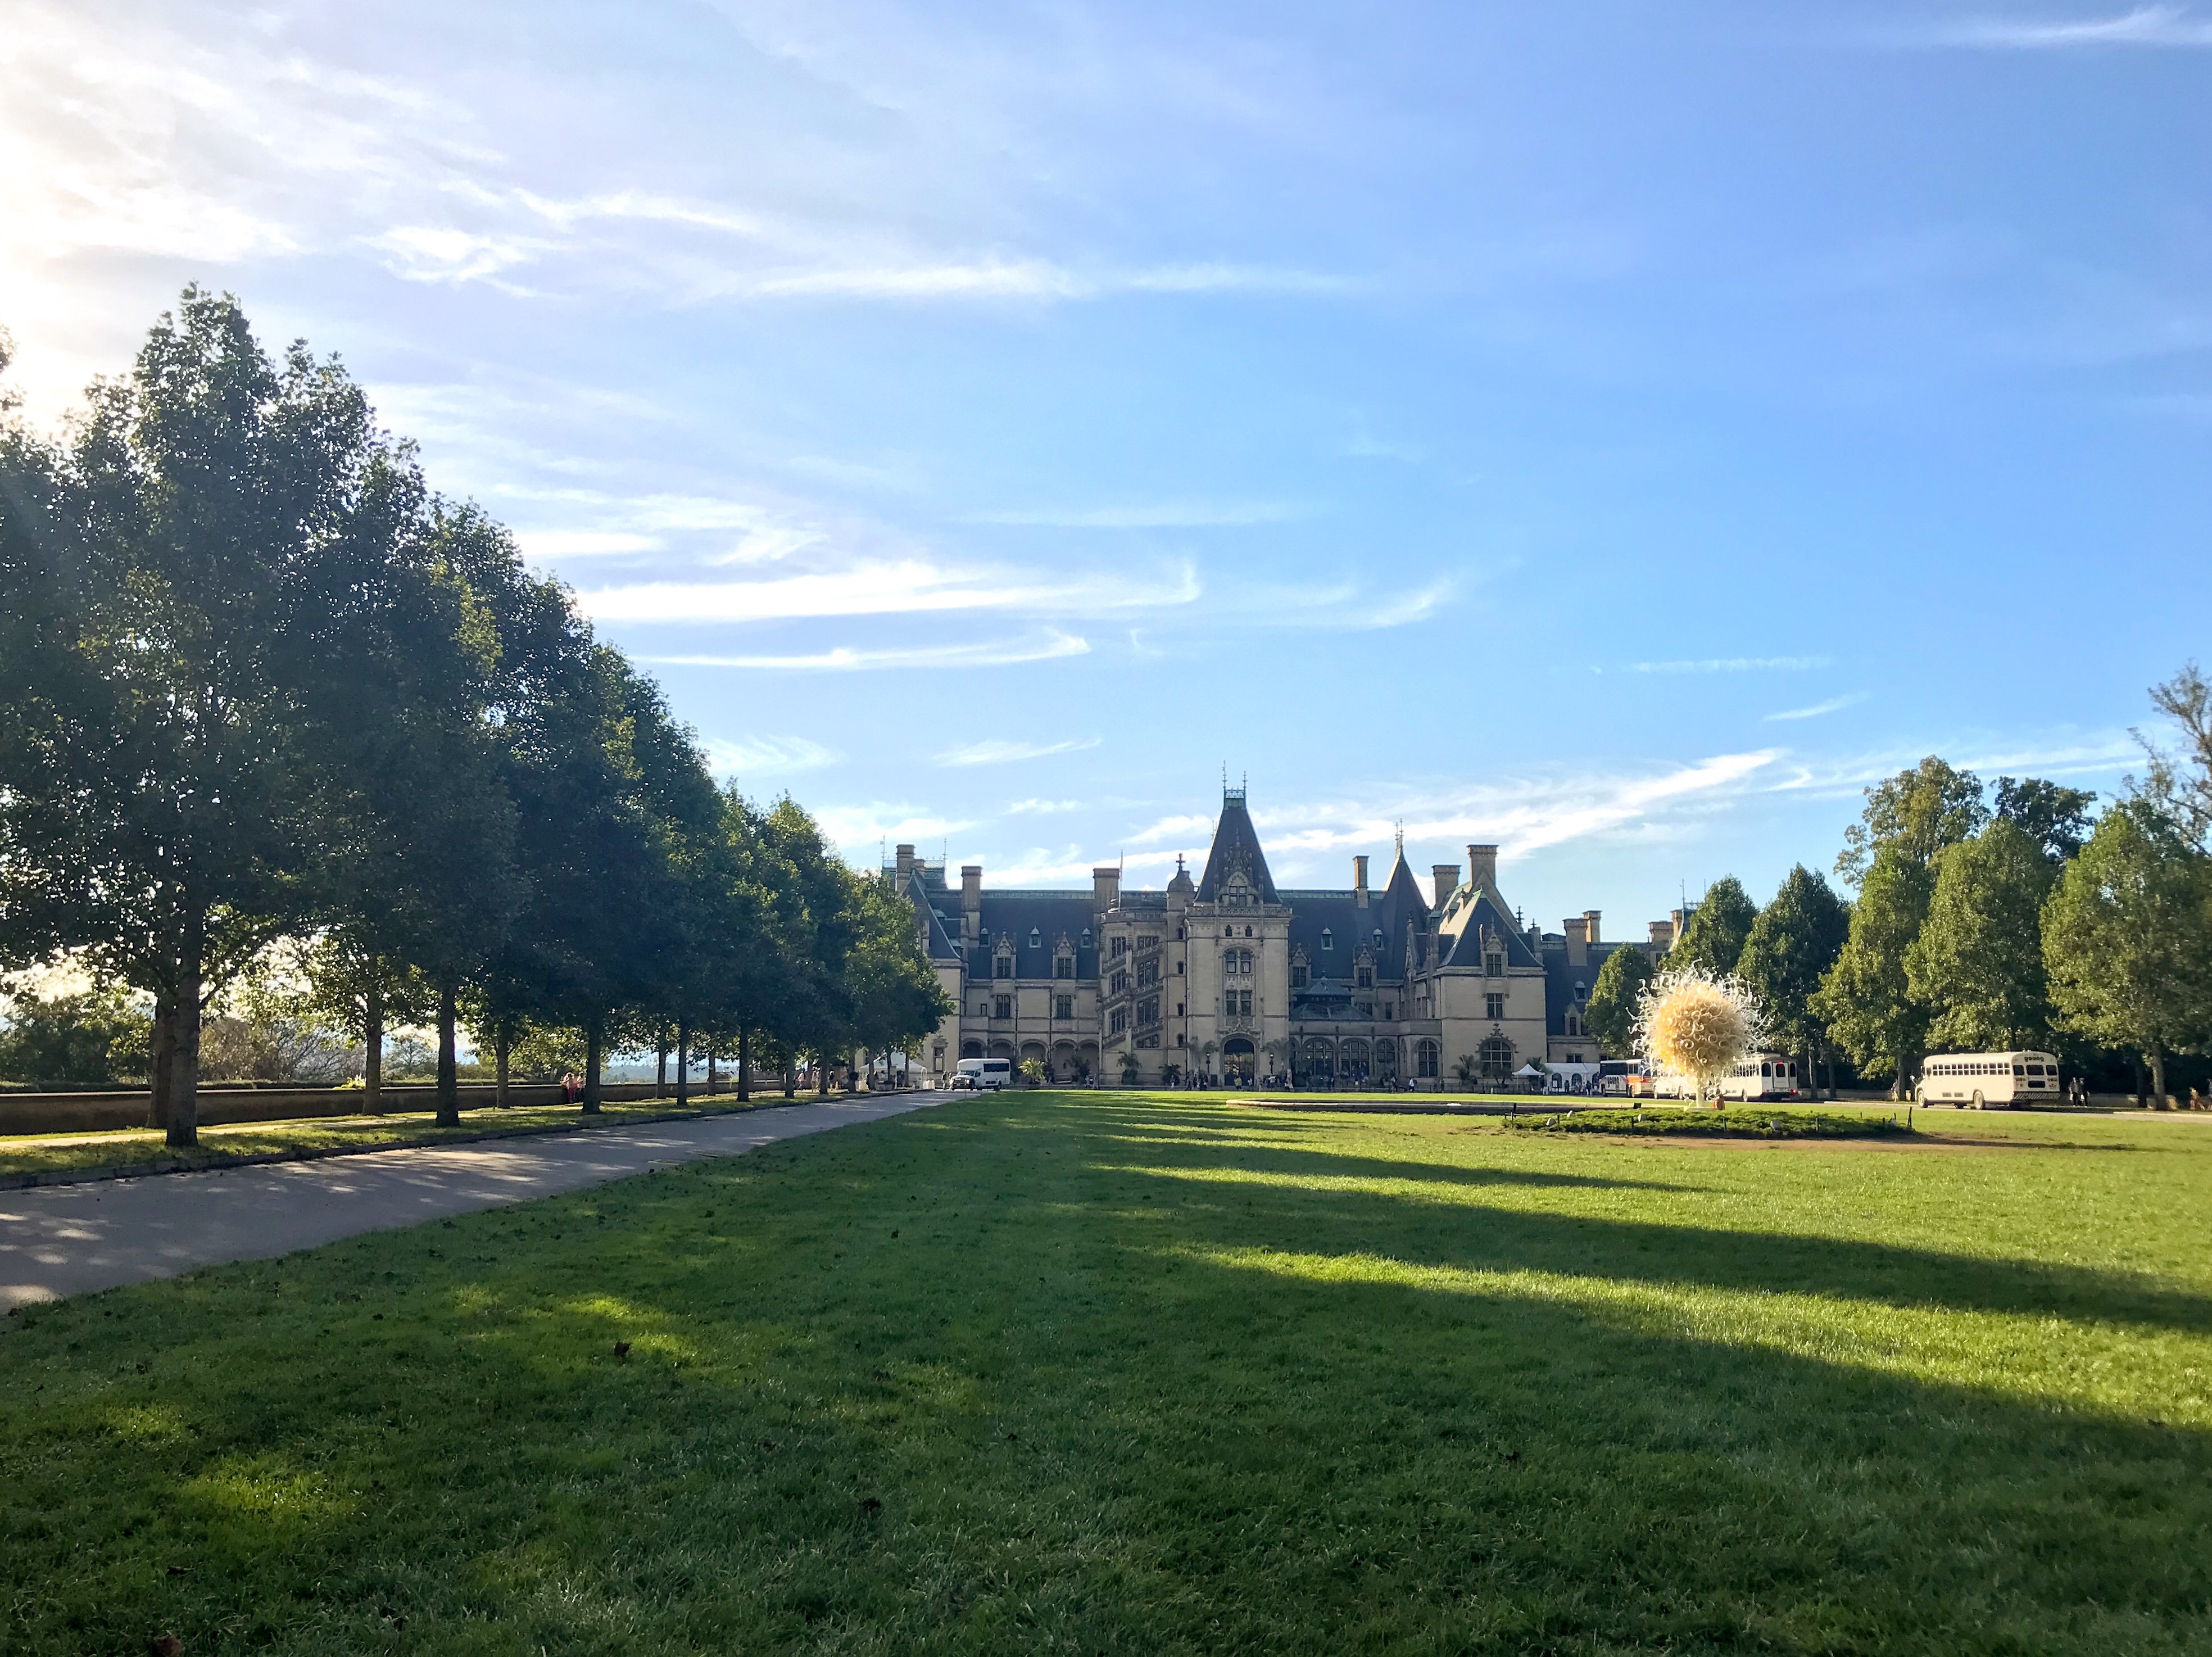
(1618,432)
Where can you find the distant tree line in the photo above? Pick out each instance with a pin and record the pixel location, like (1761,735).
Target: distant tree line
(263,692)
(1983,920)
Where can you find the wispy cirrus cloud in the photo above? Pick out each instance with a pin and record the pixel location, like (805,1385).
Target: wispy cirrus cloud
(1167,514)
(757,755)
(996,753)
(2143,26)
(1048,645)
(909,585)
(1521,815)
(1042,808)
(1833,704)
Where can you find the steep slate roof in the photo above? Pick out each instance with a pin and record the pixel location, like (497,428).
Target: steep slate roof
(1466,950)
(1050,914)
(937,938)
(1235,846)
(1392,912)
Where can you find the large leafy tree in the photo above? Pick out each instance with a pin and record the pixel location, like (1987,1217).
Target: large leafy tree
(1793,941)
(1616,997)
(1978,963)
(1714,938)
(2127,937)
(2180,780)
(2055,817)
(1866,1000)
(156,771)
(896,997)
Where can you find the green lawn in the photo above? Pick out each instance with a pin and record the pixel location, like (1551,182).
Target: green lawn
(1108,1372)
(149,1147)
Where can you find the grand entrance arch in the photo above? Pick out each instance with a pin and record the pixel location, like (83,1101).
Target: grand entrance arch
(1238,1060)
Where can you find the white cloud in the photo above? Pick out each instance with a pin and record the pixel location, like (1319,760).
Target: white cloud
(755,756)
(581,543)
(1043,807)
(1832,706)
(908,586)
(2144,25)
(1047,646)
(1723,665)
(1171,515)
(997,753)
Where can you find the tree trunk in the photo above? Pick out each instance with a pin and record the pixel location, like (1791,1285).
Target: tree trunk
(161,1063)
(745,1064)
(2157,1056)
(2135,1059)
(184,1123)
(372,1064)
(449,1081)
(790,1079)
(660,1066)
(501,1042)
(710,1069)
(594,1034)
(821,1076)
(682,1063)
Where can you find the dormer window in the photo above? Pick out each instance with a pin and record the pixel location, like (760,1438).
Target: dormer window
(1581,994)
(1378,938)
(1086,937)
(1328,939)
(1493,964)
(1037,939)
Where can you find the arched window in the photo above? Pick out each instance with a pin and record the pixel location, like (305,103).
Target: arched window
(1425,1059)
(1496,1055)
(1328,939)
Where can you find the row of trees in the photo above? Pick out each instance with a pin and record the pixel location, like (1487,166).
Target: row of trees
(260,687)
(1984,920)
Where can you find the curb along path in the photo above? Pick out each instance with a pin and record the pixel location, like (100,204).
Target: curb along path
(70,1240)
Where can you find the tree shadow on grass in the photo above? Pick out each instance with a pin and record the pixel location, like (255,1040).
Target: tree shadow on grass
(1067,1442)
(1474,1237)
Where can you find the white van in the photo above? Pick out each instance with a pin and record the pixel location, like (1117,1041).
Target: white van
(984,1074)
(1980,1079)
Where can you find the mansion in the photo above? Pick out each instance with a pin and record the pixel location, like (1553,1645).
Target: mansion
(1230,977)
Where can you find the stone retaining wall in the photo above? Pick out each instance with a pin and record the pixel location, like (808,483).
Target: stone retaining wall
(106,1111)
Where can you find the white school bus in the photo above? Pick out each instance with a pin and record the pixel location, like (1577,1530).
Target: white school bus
(1757,1076)
(1978,1081)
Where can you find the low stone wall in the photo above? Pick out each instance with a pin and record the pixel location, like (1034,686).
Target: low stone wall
(106,1112)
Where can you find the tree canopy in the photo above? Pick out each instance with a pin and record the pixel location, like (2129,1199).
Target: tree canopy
(258,682)
(1713,937)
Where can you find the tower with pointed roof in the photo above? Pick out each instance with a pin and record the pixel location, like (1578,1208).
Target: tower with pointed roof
(1234,979)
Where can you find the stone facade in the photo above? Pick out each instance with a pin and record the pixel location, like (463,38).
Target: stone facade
(1229,976)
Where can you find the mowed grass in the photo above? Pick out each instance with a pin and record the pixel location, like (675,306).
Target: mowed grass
(148,1148)
(1123,1374)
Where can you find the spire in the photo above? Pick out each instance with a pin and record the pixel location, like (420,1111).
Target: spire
(1236,850)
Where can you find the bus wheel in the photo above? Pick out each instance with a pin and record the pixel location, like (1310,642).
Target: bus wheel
(1978,1100)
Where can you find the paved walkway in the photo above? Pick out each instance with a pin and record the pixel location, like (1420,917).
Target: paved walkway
(67,1240)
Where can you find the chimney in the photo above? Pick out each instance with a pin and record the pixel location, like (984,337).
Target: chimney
(1578,928)
(971,903)
(905,866)
(1663,936)
(1105,888)
(1446,875)
(1590,917)
(1359,879)
(1482,867)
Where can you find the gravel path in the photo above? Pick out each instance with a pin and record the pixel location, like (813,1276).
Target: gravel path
(67,1240)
